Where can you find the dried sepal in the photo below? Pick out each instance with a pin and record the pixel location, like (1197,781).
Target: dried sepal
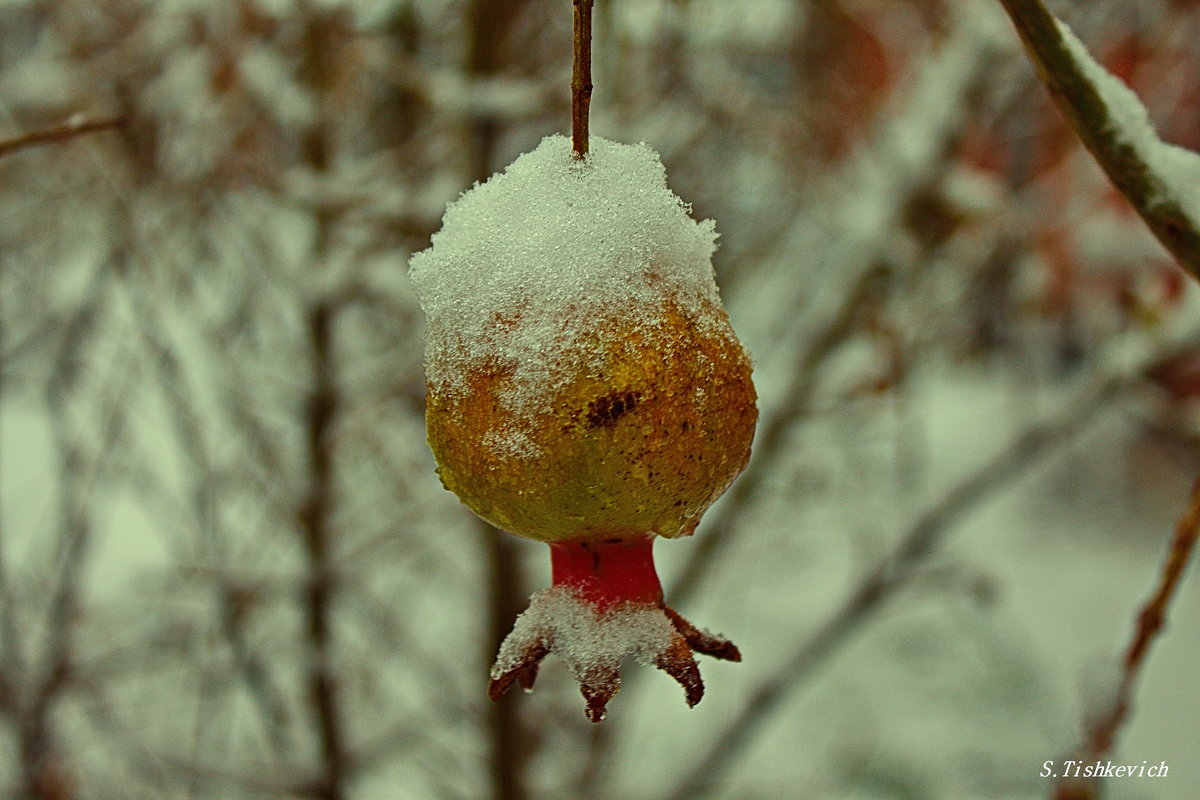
(593,640)
(702,641)
(524,673)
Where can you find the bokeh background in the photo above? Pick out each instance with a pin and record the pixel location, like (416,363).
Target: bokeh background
(228,570)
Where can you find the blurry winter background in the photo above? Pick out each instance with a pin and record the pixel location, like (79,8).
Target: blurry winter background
(228,570)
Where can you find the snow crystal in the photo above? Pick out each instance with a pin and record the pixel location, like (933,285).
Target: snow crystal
(524,262)
(1176,168)
(591,642)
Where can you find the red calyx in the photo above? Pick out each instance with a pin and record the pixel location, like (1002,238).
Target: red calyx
(605,575)
(608,571)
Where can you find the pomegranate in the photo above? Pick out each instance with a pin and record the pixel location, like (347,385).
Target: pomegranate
(585,389)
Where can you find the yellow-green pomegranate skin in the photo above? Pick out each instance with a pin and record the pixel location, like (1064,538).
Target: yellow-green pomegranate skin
(641,441)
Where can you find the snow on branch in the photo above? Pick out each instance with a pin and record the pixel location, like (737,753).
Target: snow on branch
(1160,180)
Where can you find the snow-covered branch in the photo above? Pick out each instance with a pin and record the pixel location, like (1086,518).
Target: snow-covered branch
(1160,180)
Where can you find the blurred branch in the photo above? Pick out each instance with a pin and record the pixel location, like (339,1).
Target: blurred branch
(893,573)
(772,439)
(492,23)
(316,524)
(233,595)
(1080,100)
(76,126)
(45,775)
(1101,734)
(163,770)
(10,653)
(854,278)
(321,29)
(507,737)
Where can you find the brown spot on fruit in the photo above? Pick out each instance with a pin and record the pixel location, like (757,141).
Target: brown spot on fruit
(604,412)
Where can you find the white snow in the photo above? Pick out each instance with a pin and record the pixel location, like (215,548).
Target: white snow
(525,262)
(592,643)
(1177,168)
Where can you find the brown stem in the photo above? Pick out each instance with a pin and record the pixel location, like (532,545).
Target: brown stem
(58,133)
(1101,734)
(1093,121)
(581,77)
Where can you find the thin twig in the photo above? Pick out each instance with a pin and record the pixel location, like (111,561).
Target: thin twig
(1093,121)
(76,126)
(205,500)
(1101,734)
(581,77)
(9,654)
(894,572)
(317,521)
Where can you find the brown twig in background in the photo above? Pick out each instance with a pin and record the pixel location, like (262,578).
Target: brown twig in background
(1101,733)
(233,596)
(76,126)
(1093,121)
(510,742)
(46,773)
(581,77)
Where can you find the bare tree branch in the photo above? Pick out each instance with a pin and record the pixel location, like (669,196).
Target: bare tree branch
(1080,100)
(45,773)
